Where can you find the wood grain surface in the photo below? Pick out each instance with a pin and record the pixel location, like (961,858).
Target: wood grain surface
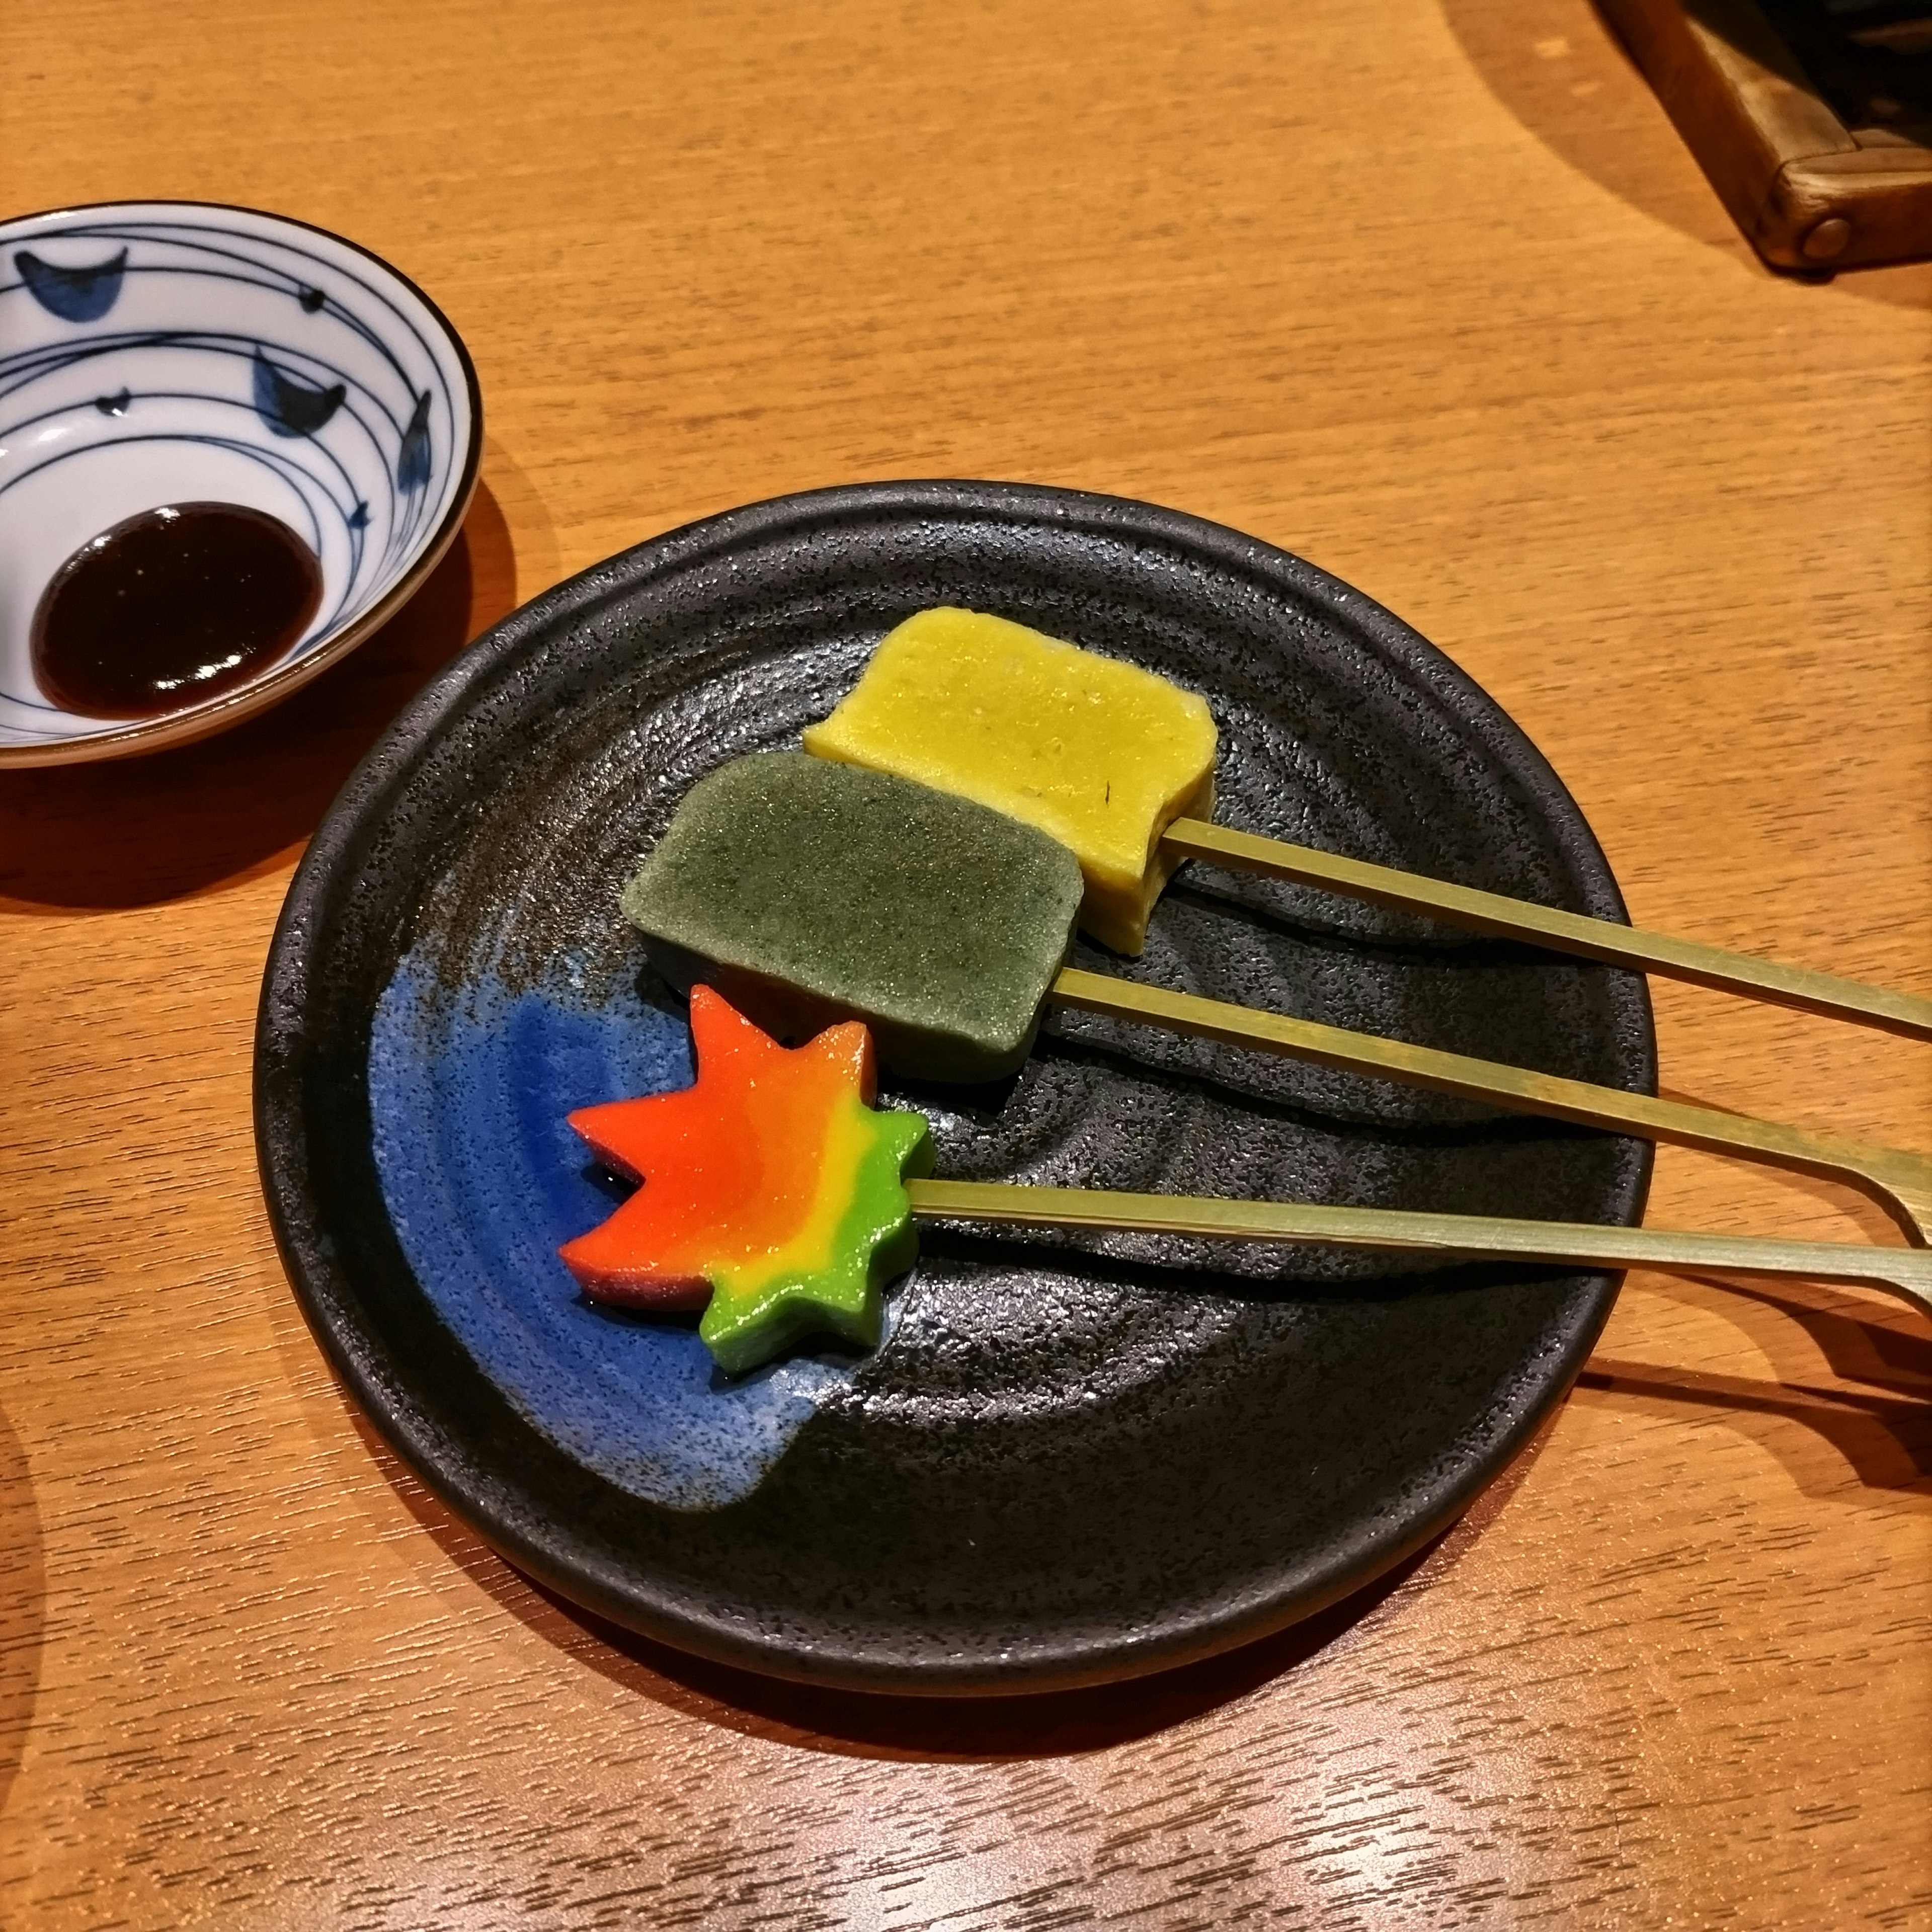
(1426,290)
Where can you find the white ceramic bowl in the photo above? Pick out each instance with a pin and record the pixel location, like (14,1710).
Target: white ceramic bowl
(156,352)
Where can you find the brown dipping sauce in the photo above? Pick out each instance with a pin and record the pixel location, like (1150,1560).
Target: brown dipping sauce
(170,608)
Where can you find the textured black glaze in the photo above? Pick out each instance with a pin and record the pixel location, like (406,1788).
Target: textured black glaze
(1078,1458)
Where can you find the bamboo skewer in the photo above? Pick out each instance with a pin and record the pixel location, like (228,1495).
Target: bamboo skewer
(1904,1272)
(1598,939)
(1899,1181)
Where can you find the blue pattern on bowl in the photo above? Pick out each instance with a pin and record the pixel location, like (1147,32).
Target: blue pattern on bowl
(163,352)
(289,406)
(74,294)
(484,1180)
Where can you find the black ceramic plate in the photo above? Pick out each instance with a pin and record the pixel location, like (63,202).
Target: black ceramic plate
(1073,1459)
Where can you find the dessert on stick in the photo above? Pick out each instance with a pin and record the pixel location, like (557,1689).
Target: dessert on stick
(1118,763)
(1101,755)
(773,1196)
(808,892)
(769,1194)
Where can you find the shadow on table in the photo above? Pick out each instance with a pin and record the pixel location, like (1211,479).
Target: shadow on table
(23,1604)
(1882,1430)
(1887,1441)
(986,1729)
(135,831)
(1558,68)
(850,1723)
(1869,1221)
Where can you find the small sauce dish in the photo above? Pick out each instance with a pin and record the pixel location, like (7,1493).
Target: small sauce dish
(232,446)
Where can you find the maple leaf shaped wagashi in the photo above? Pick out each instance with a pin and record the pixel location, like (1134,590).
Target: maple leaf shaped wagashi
(769,1192)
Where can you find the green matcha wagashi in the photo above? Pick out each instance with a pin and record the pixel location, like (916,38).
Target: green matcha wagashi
(808,892)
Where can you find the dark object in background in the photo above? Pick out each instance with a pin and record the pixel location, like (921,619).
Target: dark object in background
(1812,117)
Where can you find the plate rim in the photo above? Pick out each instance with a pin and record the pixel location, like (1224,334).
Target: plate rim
(471,1492)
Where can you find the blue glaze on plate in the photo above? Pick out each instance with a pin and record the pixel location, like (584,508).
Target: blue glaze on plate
(484,1180)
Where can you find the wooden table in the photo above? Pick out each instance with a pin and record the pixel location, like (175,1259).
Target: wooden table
(1429,292)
